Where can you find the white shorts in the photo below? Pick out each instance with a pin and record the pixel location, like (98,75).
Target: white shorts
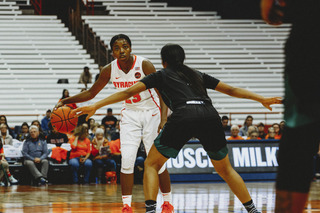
(136,126)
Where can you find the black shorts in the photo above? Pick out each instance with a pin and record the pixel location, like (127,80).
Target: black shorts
(203,123)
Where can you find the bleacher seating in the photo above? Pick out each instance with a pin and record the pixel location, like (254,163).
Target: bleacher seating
(36,51)
(244,53)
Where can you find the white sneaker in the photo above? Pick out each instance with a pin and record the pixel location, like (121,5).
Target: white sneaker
(2,184)
(13,180)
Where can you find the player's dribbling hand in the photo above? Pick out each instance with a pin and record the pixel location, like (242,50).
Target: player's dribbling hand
(89,110)
(271,12)
(266,102)
(59,104)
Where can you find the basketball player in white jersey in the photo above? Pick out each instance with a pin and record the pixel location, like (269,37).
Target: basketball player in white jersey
(140,117)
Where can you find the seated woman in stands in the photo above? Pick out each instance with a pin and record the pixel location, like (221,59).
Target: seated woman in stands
(3,120)
(271,133)
(65,94)
(6,138)
(80,153)
(24,133)
(101,154)
(277,130)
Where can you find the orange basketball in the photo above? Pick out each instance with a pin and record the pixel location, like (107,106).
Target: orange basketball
(63,120)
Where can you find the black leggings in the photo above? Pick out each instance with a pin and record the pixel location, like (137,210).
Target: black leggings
(298,146)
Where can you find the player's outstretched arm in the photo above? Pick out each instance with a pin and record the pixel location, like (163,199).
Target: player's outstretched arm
(114,98)
(243,93)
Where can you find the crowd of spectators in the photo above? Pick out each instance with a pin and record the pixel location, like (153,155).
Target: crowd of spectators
(249,131)
(93,149)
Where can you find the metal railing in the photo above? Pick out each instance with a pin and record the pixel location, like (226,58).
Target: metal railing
(37,5)
(90,41)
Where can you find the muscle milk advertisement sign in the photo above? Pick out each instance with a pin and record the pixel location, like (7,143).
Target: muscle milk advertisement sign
(244,157)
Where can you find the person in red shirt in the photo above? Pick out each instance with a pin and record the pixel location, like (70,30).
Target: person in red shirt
(65,94)
(80,153)
(235,133)
(277,130)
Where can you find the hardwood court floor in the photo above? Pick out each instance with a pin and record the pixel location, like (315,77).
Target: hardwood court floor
(187,198)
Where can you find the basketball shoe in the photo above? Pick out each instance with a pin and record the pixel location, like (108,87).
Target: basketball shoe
(127,208)
(167,207)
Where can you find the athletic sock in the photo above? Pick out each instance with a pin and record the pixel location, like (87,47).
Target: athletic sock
(250,207)
(151,206)
(167,197)
(126,199)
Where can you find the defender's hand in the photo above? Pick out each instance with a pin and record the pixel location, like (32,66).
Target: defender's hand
(266,102)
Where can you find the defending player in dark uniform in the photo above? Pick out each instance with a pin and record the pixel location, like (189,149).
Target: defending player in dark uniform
(300,140)
(184,92)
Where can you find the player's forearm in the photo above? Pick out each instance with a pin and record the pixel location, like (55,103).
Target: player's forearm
(243,93)
(81,97)
(114,98)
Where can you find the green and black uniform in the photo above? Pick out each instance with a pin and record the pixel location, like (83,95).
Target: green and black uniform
(300,140)
(193,116)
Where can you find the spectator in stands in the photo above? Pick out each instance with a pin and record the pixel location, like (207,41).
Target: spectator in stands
(225,126)
(109,121)
(86,126)
(3,163)
(65,94)
(282,125)
(252,129)
(271,133)
(6,139)
(91,123)
(35,153)
(93,130)
(56,137)
(24,132)
(85,77)
(277,130)
(97,76)
(235,133)
(80,153)
(101,153)
(41,133)
(45,123)
(253,135)
(114,133)
(247,123)
(262,134)
(3,120)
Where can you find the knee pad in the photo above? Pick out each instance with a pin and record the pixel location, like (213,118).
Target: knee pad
(128,158)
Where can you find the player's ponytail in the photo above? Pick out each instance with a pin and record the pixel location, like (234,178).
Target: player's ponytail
(173,55)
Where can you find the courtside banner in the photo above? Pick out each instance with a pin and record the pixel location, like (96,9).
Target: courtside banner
(253,156)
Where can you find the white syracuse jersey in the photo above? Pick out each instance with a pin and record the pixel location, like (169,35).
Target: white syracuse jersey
(145,100)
